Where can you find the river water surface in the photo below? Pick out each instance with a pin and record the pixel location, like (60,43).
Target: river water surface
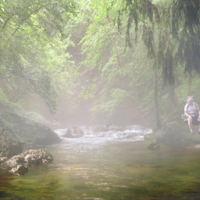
(109,166)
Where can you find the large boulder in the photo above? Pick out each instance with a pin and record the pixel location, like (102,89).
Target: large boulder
(74,132)
(18,133)
(10,144)
(19,164)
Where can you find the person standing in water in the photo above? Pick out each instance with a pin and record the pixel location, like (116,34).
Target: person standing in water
(192,112)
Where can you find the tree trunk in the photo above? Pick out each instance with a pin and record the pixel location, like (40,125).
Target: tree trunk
(156,99)
(156,102)
(189,84)
(172,96)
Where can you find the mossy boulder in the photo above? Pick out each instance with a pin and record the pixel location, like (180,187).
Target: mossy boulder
(10,144)
(18,133)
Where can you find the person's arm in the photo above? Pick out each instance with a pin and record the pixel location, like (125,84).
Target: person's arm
(187,115)
(185,111)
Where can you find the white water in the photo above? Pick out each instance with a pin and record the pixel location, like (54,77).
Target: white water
(92,140)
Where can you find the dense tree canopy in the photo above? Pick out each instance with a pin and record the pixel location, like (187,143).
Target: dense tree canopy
(163,34)
(129,56)
(33,50)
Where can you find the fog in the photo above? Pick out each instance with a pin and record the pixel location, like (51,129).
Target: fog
(92,98)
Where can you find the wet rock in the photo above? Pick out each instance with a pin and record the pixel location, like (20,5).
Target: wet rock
(74,132)
(18,133)
(19,164)
(3,159)
(10,144)
(19,169)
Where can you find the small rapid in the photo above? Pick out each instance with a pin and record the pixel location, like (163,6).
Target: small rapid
(92,140)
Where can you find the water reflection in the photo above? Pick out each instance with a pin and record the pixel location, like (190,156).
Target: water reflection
(110,167)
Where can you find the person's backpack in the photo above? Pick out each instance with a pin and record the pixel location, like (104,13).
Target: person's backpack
(188,98)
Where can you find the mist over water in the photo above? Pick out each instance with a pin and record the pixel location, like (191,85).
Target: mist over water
(92,139)
(109,165)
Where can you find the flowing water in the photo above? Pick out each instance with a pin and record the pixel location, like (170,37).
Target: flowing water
(109,166)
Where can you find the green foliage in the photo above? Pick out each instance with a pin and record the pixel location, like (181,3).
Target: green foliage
(187,15)
(33,50)
(5,123)
(3,98)
(1,12)
(35,117)
(138,10)
(116,87)
(156,49)
(48,47)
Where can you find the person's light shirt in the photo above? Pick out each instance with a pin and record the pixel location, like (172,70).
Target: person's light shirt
(191,109)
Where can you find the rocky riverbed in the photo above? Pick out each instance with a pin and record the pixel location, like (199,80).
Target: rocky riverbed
(19,164)
(19,136)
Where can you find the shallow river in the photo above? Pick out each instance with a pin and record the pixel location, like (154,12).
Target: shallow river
(109,166)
